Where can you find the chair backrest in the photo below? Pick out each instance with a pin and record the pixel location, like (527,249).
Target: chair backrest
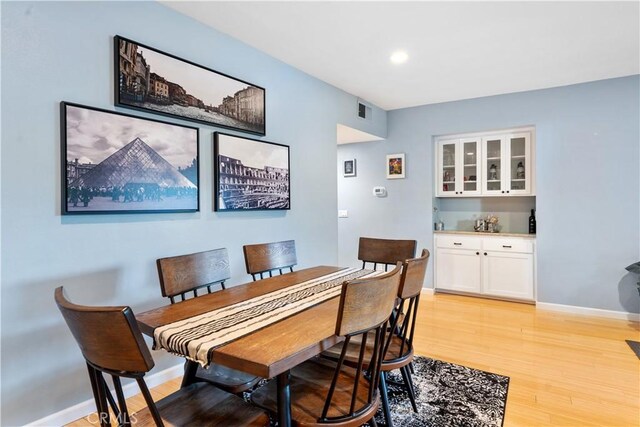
(267,257)
(109,337)
(182,274)
(385,251)
(413,273)
(403,321)
(365,306)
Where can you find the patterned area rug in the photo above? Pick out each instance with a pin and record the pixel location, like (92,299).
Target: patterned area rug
(449,395)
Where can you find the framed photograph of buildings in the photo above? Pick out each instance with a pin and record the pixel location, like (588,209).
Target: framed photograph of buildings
(150,80)
(116,163)
(250,174)
(349,167)
(395,166)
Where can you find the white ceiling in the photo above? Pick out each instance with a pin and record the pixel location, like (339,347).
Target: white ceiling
(457,50)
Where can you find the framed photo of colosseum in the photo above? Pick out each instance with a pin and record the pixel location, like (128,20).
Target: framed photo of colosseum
(114,163)
(250,174)
(148,79)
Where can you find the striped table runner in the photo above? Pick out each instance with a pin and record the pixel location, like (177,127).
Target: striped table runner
(196,337)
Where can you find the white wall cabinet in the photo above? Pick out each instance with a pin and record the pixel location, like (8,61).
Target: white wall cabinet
(487,164)
(459,167)
(489,265)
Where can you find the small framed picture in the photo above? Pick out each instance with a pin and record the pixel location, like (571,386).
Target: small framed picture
(349,167)
(395,166)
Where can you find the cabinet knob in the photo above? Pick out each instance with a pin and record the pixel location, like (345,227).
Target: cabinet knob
(477,253)
(457,244)
(485,254)
(502,191)
(507,191)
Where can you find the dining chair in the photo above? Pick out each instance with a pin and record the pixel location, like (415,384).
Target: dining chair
(184,275)
(385,251)
(331,392)
(112,344)
(398,342)
(268,257)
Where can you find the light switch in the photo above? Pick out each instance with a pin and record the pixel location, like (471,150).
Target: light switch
(343,214)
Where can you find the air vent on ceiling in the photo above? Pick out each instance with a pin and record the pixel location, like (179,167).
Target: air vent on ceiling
(364,110)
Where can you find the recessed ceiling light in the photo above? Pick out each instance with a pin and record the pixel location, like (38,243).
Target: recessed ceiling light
(399,57)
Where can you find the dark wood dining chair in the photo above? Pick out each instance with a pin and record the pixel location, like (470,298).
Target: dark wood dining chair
(385,251)
(112,344)
(399,337)
(268,257)
(331,392)
(183,276)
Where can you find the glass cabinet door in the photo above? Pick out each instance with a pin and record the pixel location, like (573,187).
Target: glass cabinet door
(519,164)
(470,153)
(448,152)
(492,167)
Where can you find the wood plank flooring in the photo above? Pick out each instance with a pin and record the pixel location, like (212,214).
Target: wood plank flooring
(565,370)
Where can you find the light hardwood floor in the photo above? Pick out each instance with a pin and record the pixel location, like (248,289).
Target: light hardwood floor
(565,370)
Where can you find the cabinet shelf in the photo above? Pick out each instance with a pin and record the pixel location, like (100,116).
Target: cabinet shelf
(470,165)
(518,180)
(493,180)
(494,158)
(470,182)
(448,167)
(448,182)
(519,157)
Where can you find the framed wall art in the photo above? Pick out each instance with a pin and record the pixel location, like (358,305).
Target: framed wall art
(148,79)
(395,166)
(117,163)
(250,174)
(349,167)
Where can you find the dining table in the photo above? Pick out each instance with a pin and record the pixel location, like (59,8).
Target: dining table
(269,351)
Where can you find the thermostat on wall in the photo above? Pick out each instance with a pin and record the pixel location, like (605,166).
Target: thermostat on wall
(379,191)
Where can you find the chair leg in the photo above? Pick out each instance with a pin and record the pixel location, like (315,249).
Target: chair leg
(373,422)
(385,400)
(94,387)
(406,376)
(123,417)
(103,411)
(412,369)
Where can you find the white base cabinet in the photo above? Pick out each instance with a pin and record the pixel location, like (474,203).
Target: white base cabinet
(488,265)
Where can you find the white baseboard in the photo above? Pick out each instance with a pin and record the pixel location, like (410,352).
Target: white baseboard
(612,314)
(428,291)
(85,408)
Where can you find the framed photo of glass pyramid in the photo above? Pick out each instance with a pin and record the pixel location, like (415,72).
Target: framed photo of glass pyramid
(114,163)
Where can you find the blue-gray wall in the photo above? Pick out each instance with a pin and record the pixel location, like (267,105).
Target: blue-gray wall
(63,51)
(588,184)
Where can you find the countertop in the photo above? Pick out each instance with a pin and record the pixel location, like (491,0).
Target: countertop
(476,233)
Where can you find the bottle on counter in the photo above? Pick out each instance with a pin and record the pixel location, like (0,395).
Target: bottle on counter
(532,222)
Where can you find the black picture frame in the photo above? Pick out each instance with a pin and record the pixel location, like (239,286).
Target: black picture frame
(115,163)
(176,87)
(349,168)
(250,174)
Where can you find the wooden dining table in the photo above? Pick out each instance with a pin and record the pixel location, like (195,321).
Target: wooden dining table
(268,352)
